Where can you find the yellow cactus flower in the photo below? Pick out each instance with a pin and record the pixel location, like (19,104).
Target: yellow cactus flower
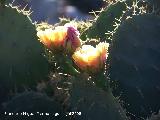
(91,59)
(62,37)
(103,48)
(53,38)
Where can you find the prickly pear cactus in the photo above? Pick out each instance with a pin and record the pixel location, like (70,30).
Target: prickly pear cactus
(35,104)
(94,103)
(105,21)
(134,63)
(21,54)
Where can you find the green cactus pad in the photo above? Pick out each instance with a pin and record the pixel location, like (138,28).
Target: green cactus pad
(134,63)
(21,54)
(94,103)
(105,21)
(33,102)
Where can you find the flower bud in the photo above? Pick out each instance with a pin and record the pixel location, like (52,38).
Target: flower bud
(73,41)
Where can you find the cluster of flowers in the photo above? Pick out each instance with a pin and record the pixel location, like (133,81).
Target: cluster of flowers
(66,38)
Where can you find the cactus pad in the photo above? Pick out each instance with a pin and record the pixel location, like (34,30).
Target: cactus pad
(21,54)
(33,102)
(134,63)
(94,103)
(105,21)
